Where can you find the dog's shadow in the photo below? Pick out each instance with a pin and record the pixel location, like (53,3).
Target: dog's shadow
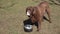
(28,21)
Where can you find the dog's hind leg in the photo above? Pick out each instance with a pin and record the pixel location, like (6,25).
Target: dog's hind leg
(48,13)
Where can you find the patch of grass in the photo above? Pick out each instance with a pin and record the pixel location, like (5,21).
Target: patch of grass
(12,15)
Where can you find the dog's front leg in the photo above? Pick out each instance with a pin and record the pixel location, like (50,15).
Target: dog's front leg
(39,23)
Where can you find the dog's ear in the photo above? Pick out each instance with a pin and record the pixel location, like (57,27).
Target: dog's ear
(34,10)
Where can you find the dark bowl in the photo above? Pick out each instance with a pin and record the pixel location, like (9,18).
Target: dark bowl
(28,28)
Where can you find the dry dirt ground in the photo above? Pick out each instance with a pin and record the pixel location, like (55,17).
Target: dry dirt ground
(12,15)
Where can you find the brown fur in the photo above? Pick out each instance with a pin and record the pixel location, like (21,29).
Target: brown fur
(37,13)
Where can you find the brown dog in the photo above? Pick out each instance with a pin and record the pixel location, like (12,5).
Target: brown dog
(36,13)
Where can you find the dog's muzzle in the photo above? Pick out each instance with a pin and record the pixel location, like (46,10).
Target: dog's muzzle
(28,13)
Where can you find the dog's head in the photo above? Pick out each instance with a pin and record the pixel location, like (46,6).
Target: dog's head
(30,11)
